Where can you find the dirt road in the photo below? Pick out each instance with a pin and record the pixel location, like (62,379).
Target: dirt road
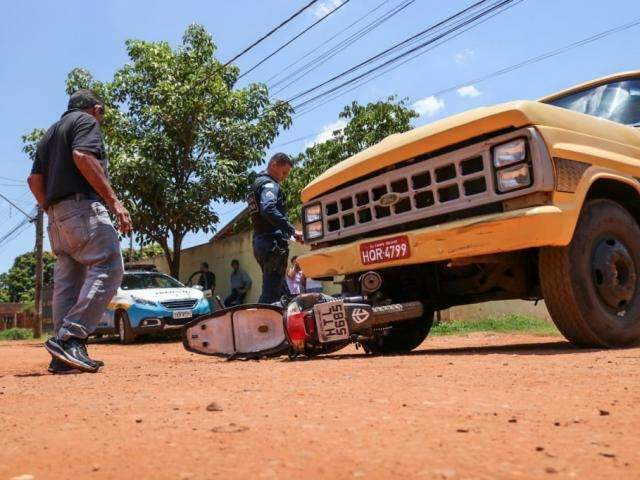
(477,407)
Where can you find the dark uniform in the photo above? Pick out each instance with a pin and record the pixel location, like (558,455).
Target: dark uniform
(271,233)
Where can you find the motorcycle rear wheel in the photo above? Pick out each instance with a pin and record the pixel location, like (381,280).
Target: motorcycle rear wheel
(402,336)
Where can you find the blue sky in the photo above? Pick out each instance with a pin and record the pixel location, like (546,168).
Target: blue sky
(40,42)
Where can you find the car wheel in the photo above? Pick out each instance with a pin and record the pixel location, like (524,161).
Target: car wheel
(402,336)
(125,332)
(592,286)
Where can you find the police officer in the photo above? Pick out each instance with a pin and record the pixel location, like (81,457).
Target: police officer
(271,227)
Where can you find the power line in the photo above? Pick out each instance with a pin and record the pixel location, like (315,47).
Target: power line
(268,34)
(30,217)
(306,55)
(328,14)
(377,56)
(510,68)
(439,42)
(402,55)
(502,71)
(316,62)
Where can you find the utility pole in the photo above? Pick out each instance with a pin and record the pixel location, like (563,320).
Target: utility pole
(37,323)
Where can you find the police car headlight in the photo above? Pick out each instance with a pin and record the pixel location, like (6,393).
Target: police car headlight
(313,230)
(509,153)
(142,301)
(312,213)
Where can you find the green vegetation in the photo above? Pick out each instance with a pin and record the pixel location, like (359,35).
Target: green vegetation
(506,323)
(18,284)
(182,135)
(358,127)
(16,334)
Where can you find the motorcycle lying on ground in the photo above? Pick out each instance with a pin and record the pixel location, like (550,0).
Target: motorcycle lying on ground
(309,324)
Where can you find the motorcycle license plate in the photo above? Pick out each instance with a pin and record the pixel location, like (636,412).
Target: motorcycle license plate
(383,251)
(180,314)
(331,321)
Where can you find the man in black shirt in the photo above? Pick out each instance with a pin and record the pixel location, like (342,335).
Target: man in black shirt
(70,181)
(271,227)
(207,279)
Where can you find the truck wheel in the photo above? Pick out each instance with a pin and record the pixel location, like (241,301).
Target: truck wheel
(591,287)
(403,336)
(125,332)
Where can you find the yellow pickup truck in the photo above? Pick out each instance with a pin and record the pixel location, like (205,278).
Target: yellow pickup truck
(527,199)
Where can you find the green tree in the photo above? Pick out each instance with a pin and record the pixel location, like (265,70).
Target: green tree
(365,126)
(30,142)
(146,252)
(181,136)
(17,285)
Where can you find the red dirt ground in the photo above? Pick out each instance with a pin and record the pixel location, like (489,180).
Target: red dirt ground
(477,407)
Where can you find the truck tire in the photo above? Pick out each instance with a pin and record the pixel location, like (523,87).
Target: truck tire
(125,332)
(592,286)
(402,337)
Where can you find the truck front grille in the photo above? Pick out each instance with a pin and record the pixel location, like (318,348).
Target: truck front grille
(431,187)
(187,304)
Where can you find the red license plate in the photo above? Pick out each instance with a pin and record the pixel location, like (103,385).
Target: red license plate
(385,250)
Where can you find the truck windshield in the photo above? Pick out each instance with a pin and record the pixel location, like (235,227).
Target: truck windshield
(618,102)
(138,281)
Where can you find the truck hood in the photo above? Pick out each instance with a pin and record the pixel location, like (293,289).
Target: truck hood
(458,128)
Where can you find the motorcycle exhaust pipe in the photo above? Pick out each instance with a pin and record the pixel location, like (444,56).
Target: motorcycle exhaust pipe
(386,314)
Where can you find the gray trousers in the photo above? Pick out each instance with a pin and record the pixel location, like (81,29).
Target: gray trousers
(88,269)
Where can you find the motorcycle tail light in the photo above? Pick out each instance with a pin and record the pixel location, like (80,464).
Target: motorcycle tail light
(309,324)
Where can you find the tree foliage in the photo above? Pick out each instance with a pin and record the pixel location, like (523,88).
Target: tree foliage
(146,252)
(18,284)
(365,126)
(30,142)
(180,136)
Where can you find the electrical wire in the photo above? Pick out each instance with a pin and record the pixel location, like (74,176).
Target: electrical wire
(290,41)
(328,40)
(268,34)
(420,53)
(377,56)
(319,60)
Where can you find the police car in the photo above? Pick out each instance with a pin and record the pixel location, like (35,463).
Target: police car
(151,302)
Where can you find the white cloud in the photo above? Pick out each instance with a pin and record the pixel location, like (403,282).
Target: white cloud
(428,106)
(322,8)
(464,56)
(327,132)
(469,91)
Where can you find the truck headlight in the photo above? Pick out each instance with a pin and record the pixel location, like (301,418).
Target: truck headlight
(513,178)
(509,153)
(313,230)
(312,213)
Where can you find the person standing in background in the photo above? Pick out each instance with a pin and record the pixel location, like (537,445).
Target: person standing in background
(240,284)
(207,282)
(295,278)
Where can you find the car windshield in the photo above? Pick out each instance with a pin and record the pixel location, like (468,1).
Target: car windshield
(139,281)
(618,102)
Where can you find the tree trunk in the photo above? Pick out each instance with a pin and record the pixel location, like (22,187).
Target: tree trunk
(37,319)
(175,264)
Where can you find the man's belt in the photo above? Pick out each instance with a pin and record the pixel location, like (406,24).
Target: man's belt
(77,197)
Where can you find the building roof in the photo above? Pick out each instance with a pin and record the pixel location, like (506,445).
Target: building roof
(233,226)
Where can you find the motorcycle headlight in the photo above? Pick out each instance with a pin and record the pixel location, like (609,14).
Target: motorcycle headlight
(313,230)
(142,301)
(513,178)
(312,213)
(509,153)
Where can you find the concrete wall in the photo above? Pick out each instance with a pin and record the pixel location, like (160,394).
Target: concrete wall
(218,255)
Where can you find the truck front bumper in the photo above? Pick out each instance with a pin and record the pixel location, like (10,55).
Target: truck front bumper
(530,227)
